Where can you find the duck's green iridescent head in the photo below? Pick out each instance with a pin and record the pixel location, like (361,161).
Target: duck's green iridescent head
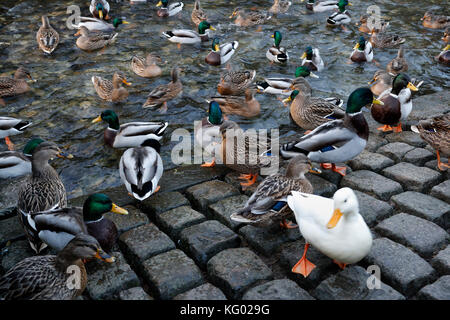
(215,113)
(203,26)
(308,54)
(402,81)
(100,9)
(361,44)
(110,117)
(277,38)
(291,97)
(163,3)
(342,4)
(360,98)
(216,45)
(302,72)
(98,204)
(31,145)
(119,21)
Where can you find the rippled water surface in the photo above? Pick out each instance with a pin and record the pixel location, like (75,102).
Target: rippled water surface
(63,100)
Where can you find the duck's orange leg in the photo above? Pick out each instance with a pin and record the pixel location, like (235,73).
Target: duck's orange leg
(398,128)
(326,165)
(340,264)
(157,189)
(304,266)
(286,224)
(340,170)
(9,143)
(209,164)
(442,165)
(385,128)
(250,181)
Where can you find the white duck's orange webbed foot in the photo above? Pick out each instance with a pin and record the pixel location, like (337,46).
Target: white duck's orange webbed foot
(340,264)
(304,266)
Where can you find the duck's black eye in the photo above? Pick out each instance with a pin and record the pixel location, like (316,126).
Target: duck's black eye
(345,200)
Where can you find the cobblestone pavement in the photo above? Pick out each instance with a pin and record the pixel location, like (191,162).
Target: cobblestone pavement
(181,244)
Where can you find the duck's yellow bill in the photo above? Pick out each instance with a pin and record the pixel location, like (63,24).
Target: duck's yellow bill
(337,214)
(376,101)
(78,33)
(372,81)
(216,47)
(412,87)
(126,82)
(98,119)
(212,28)
(64,155)
(303,55)
(125,22)
(159,4)
(350,4)
(272,36)
(116,209)
(356,46)
(100,14)
(447,47)
(287,100)
(102,255)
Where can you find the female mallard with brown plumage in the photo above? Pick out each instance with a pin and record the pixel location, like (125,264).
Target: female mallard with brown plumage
(147,68)
(380,82)
(47,37)
(14,86)
(249,18)
(247,107)
(198,15)
(90,41)
(46,277)
(398,64)
(165,92)
(111,90)
(280,6)
(381,39)
(436,132)
(434,21)
(235,82)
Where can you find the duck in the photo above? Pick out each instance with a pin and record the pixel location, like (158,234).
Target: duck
(131,134)
(363,27)
(341,17)
(165,92)
(397,104)
(207,132)
(333,226)
(91,41)
(10,127)
(247,107)
(380,39)
(268,202)
(276,53)
(381,82)
(310,112)
(58,227)
(167,10)
(93,24)
(15,164)
(235,82)
(190,36)
(46,277)
(198,15)
(321,6)
(434,21)
(280,6)
(436,132)
(42,191)
(99,9)
(14,86)
(444,56)
(141,168)
(146,68)
(249,18)
(47,37)
(398,64)
(220,54)
(241,157)
(111,91)
(363,51)
(312,60)
(337,140)
(446,37)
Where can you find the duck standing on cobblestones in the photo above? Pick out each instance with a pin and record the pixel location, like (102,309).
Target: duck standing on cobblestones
(332,226)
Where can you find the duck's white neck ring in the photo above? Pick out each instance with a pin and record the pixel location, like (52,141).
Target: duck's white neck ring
(93,221)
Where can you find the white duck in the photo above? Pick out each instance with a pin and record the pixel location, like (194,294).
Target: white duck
(332,226)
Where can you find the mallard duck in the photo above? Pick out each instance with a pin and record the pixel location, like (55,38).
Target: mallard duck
(398,64)
(312,60)
(338,140)
(384,40)
(207,132)
(321,6)
(397,104)
(167,10)
(165,92)
(93,24)
(111,90)
(147,68)
(141,168)
(268,202)
(280,6)
(310,112)
(131,134)
(434,21)
(47,277)
(14,86)
(247,107)
(446,37)
(444,56)
(239,156)
(198,15)
(249,18)
(47,37)
(16,164)
(363,27)
(190,36)
(90,41)
(58,227)
(235,82)
(341,17)
(99,9)
(362,51)
(276,53)
(220,54)
(436,132)
(381,82)
(332,226)
(10,127)
(42,191)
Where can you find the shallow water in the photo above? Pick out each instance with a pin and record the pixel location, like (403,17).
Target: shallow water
(63,101)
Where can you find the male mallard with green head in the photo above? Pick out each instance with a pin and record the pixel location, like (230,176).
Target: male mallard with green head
(93,24)
(100,9)
(190,36)
(321,6)
(276,53)
(220,54)
(312,60)
(362,51)
(341,17)
(168,10)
